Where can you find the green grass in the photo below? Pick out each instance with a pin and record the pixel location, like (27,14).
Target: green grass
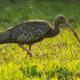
(12,13)
(53,57)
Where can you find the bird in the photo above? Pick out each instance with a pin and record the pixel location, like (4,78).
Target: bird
(33,31)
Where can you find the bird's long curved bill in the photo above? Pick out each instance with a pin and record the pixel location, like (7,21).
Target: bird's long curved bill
(74,32)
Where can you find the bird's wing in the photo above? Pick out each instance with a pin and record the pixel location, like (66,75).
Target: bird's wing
(30,36)
(29,32)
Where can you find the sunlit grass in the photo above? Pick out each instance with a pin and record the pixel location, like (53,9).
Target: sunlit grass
(53,57)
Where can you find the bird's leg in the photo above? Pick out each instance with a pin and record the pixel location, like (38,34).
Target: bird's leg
(30,46)
(29,52)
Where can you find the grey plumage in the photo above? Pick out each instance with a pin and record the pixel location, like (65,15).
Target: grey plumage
(30,32)
(4,36)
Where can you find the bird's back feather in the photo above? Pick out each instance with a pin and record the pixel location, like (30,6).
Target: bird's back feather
(29,31)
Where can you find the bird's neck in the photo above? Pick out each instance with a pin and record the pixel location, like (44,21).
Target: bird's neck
(56,27)
(54,31)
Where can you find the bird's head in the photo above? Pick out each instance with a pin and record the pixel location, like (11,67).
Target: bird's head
(60,19)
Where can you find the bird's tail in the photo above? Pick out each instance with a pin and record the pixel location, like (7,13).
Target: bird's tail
(4,37)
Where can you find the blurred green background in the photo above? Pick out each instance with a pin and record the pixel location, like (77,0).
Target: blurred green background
(14,11)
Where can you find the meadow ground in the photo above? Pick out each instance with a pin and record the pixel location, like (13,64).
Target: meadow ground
(53,58)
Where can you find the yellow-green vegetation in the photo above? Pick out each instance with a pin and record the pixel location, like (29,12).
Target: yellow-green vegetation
(59,56)
(55,58)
